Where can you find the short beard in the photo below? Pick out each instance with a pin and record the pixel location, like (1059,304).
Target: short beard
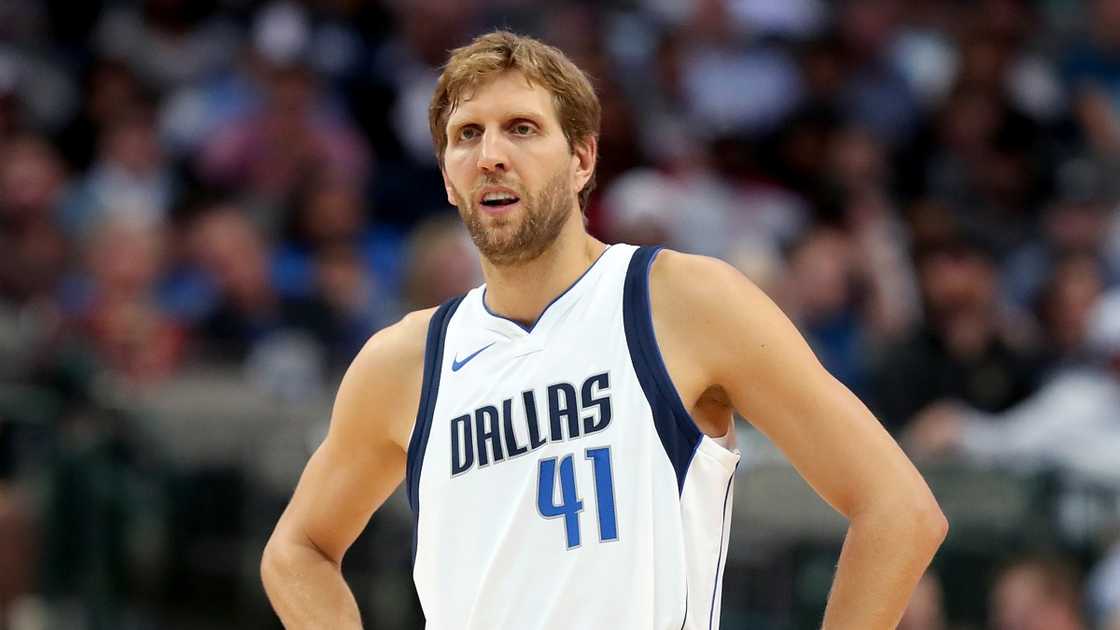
(544,216)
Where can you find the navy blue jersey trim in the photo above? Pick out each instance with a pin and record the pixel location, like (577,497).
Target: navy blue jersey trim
(418,443)
(719,560)
(529,328)
(679,434)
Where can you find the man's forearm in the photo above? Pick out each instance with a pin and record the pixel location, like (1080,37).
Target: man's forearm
(307,589)
(883,557)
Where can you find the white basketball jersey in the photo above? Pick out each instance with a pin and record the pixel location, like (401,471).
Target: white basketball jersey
(556,478)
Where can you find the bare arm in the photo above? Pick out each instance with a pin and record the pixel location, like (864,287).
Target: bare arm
(358,465)
(742,343)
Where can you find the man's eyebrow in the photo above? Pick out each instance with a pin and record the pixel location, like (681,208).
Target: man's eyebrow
(533,116)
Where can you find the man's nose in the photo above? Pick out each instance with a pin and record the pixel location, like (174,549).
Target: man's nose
(492,155)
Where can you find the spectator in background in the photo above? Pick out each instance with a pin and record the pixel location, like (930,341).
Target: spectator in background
(131,176)
(356,302)
(850,289)
(1076,223)
(984,165)
(440,263)
(330,212)
(34,253)
(875,95)
(36,91)
(167,42)
(1070,423)
(116,308)
(968,348)
(995,52)
(333,252)
(820,289)
(1092,74)
(883,266)
(109,89)
(32,184)
(982,152)
(247,309)
(662,124)
(1064,306)
(715,203)
(1036,593)
(858,174)
(732,83)
(32,181)
(268,149)
(926,610)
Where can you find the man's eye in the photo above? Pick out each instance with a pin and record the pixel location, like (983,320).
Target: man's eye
(523,129)
(466,133)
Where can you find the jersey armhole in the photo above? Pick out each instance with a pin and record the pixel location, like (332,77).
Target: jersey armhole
(678,433)
(418,443)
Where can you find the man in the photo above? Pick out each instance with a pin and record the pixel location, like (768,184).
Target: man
(1036,593)
(1069,425)
(564,430)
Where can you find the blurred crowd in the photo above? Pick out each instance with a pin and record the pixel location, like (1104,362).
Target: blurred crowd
(930,189)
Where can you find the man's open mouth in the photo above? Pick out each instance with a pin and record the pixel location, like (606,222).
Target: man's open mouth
(499,200)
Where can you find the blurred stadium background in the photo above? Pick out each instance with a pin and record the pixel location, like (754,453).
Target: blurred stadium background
(206,207)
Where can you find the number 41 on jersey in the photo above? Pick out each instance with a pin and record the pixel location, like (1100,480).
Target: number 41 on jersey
(570,504)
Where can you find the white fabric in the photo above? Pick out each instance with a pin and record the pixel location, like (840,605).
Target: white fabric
(1072,423)
(487,557)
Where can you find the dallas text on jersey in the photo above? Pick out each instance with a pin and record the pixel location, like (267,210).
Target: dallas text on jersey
(486,436)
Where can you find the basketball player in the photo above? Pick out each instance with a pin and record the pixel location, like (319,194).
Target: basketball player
(565,431)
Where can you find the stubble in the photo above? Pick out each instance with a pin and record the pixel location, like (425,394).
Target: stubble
(506,241)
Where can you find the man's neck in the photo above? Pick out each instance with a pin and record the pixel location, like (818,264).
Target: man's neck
(521,292)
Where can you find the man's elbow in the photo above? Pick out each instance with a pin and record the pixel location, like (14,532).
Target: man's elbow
(937,525)
(927,523)
(279,555)
(271,561)
(920,522)
(285,554)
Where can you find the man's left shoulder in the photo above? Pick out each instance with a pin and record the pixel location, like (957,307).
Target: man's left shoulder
(686,281)
(711,308)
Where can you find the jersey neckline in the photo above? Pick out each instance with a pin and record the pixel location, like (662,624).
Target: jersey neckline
(528,329)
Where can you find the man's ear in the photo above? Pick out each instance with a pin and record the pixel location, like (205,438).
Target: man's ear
(586,154)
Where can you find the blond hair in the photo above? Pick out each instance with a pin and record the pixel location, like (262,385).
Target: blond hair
(577,106)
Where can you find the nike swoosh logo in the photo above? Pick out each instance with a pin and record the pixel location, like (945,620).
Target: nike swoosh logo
(456,364)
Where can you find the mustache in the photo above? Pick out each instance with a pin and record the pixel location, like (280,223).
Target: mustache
(490,180)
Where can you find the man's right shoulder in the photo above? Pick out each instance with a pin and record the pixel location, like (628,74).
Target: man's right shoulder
(381,389)
(397,347)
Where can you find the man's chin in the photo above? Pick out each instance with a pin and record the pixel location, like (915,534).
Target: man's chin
(503,247)
(499,247)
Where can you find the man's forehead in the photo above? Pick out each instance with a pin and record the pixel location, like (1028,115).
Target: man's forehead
(505,92)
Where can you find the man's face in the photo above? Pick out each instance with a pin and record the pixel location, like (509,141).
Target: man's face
(509,169)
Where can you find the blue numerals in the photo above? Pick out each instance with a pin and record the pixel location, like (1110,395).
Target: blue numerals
(570,504)
(604,492)
(570,507)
